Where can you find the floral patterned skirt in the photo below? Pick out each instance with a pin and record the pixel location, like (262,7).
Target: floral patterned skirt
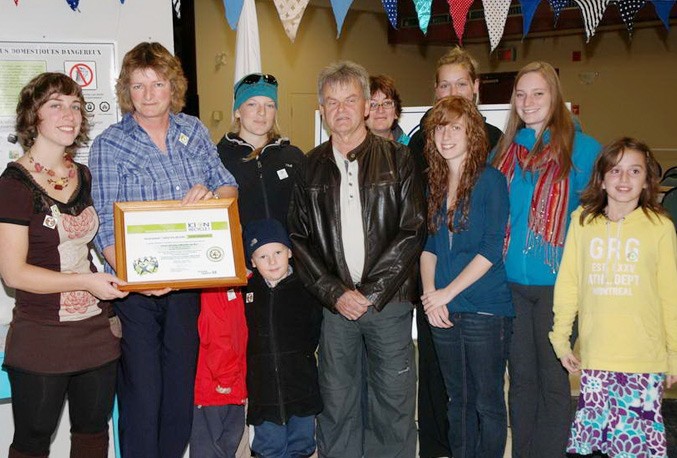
(619,414)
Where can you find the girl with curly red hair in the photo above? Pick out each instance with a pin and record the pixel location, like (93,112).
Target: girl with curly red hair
(465,293)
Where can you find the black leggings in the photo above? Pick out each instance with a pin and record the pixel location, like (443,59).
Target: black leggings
(37,401)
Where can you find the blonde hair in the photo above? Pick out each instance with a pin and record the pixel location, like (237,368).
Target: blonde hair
(458,56)
(272,134)
(151,55)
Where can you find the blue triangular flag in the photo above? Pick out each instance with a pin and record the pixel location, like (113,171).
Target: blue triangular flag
(391,10)
(663,8)
(528,10)
(73,4)
(340,8)
(557,6)
(233,11)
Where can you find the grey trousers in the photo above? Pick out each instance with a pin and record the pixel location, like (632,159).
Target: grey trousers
(385,338)
(540,394)
(217,431)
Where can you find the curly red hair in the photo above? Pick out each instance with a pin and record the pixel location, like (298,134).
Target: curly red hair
(445,111)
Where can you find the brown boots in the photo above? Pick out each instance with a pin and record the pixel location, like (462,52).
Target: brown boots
(82,446)
(16,454)
(89,445)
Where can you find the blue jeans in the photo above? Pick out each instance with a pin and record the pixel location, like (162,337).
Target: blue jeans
(296,439)
(473,355)
(156,376)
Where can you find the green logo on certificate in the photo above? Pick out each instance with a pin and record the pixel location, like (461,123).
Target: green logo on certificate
(146,265)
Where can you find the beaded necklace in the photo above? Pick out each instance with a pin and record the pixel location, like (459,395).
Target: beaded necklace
(58,183)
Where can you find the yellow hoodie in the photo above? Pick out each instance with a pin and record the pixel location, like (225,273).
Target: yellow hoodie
(621,280)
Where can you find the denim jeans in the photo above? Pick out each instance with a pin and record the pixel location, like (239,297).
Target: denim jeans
(156,376)
(473,355)
(296,439)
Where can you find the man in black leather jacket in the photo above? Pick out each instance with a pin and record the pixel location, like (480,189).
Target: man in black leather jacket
(357,225)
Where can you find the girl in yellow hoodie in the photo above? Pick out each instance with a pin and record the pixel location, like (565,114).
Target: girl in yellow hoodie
(619,275)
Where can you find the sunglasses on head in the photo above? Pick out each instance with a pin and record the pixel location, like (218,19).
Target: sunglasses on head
(256,77)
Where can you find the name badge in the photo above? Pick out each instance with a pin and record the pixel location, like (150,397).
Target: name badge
(231,294)
(282,174)
(49,222)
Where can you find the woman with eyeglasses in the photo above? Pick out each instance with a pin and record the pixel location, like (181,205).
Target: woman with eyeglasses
(263,162)
(385,108)
(154,153)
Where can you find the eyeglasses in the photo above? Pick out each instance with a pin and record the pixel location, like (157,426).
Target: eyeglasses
(255,78)
(387,104)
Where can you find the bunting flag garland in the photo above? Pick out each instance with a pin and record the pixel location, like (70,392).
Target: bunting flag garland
(291,12)
(663,8)
(423,14)
(247,43)
(233,11)
(557,6)
(628,9)
(592,11)
(340,8)
(495,14)
(528,9)
(458,9)
(391,10)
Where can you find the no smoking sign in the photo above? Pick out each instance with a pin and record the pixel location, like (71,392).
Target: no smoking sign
(83,73)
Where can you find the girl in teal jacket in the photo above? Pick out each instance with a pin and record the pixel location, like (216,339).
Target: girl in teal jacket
(547,162)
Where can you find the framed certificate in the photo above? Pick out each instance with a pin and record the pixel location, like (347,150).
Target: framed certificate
(161,244)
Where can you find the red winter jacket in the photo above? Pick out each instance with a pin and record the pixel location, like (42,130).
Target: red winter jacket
(222,361)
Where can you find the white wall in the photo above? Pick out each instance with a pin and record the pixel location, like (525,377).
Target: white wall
(96,21)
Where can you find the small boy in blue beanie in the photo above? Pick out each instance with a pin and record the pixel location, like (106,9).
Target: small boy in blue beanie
(284,329)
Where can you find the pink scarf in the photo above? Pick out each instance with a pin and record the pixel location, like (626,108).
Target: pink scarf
(549,203)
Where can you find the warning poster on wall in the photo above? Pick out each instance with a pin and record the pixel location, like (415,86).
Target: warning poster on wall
(91,65)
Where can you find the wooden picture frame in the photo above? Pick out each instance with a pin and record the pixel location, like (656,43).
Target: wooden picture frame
(163,244)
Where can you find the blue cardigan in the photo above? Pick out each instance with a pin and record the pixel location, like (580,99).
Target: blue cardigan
(528,267)
(487,218)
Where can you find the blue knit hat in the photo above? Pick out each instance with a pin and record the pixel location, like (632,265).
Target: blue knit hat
(252,85)
(262,231)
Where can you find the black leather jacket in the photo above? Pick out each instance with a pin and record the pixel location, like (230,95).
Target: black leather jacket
(393,220)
